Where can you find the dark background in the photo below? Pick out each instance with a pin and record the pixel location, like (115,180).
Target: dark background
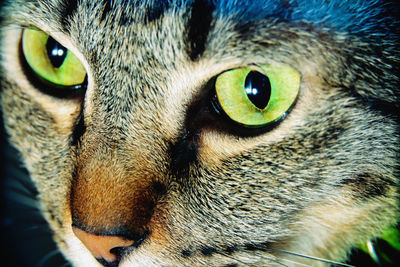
(25,237)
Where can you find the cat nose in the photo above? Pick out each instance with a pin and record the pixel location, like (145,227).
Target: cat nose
(103,248)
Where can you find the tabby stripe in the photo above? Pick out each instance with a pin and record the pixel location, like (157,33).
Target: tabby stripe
(106,10)
(155,11)
(79,128)
(68,9)
(198,27)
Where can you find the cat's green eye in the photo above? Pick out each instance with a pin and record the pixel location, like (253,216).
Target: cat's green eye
(255,98)
(50,60)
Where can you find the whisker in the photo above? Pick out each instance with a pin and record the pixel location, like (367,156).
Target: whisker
(304,256)
(260,256)
(267,258)
(47,257)
(39,226)
(26,185)
(23,191)
(297,263)
(66,264)
(21,207)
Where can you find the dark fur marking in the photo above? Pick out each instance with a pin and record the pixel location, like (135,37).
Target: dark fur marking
(385,108)
(208,251)
(250,247)
(67,11)
(186,253)
(106,10)
(231,249)
(159,188)
(389,109)
(79,129)
(125,20)
(184,152)
(140,238)
(52,215)
(199,26)
(156,11)
(367,185)
(326,139)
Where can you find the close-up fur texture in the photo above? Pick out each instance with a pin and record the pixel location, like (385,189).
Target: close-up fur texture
(142,163)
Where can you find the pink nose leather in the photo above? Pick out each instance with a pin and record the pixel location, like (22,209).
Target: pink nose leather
(100,246)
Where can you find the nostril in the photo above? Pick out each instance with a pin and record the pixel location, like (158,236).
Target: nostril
(106,249)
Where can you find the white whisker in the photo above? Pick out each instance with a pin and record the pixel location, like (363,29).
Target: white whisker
(66,264)
(297,263)
(47,257)
(267,258)
(258,255)
(306,256)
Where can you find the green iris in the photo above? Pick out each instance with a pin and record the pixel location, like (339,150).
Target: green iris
(50,60)
(256,98)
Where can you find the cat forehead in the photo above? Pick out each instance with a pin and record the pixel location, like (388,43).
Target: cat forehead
(339,15)
(130,18)
(110,24)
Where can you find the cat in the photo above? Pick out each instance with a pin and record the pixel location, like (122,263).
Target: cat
(216,133)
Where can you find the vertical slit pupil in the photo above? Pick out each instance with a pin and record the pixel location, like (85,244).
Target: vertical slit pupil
(56,52)
(258,89)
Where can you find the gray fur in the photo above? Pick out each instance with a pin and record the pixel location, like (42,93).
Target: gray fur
(341,153)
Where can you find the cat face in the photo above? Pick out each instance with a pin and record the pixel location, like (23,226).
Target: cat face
(205,133)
